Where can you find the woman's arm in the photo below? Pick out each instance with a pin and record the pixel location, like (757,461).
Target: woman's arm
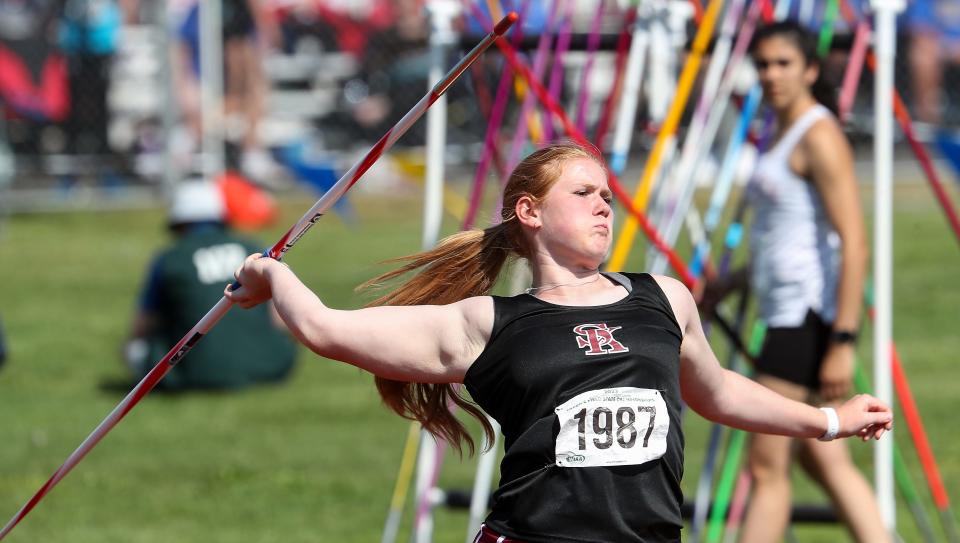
(432,344)
(726,397)
(830,161)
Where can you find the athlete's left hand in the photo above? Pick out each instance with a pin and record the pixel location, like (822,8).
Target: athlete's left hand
(836,372)
(864,416)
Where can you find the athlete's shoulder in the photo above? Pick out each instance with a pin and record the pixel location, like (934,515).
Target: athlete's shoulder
(475,303)
(670,285)
(825,135)
(477,311)
(679,296)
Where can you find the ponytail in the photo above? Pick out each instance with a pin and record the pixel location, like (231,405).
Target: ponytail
(463,265)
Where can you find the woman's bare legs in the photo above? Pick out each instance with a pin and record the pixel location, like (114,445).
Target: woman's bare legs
(830,464)
(769,459)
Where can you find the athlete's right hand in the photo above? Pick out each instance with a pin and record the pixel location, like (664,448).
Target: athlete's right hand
(253,276)
(711,292)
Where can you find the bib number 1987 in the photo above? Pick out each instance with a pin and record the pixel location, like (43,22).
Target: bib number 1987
(612,427)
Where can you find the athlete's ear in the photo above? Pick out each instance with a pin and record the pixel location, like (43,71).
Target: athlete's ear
(528,211)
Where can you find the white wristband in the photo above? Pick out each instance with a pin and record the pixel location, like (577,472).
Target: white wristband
(833,424)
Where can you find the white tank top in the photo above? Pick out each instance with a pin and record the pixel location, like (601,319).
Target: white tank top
(793,246)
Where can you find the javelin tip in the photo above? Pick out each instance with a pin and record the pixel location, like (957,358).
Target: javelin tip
(505,23)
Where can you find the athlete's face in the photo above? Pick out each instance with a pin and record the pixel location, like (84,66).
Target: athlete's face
(784,73)
(575,217)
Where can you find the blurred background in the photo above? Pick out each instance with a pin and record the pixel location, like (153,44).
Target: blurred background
(101,102)
(107,106)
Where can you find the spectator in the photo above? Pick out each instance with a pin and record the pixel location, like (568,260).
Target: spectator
(184,282)
(89,33)
(34,89)
(247,30)
(808,262)
(934,30)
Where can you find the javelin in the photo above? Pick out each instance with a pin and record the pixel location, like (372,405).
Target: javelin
(276,252)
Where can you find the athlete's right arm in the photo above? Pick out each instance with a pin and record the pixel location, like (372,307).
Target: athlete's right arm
(426,343)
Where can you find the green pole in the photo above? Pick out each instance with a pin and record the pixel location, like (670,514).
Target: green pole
(826,31)
(904,481)
(731,463)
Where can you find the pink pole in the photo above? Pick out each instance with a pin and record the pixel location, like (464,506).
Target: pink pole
(493,128)
(556,73)
(851,78)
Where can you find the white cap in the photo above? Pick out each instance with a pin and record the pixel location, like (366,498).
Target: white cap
(196,201)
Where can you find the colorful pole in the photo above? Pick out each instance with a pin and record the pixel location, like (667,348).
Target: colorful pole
(493,129)
(442,36)
(631,91)
(826,30)
(675,196)
(851,76)
(622,247)
(556,73)
(283,245)
(728,475)
(701,503)
(906,124)
(886,11)
(724,181)
(402,486)
(904,481)
(539,66)
(480,497)
(915,426)
(623,45)
(593,42)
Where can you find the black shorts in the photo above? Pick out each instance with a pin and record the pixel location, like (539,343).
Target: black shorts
(237,20)
(794,354)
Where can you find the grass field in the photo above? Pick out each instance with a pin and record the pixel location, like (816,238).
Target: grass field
(316,458)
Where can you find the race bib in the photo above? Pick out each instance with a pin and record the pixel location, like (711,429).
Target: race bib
(612,427)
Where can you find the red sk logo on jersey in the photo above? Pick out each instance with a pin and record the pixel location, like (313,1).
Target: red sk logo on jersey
(598,339)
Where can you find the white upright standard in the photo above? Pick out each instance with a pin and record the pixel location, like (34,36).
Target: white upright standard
(211,87)
(885,13)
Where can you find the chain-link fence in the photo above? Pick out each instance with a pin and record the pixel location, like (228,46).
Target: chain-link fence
(104,94)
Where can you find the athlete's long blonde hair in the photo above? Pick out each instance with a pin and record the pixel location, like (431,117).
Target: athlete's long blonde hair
(463,265)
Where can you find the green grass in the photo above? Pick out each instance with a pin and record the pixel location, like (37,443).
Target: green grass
(316,458)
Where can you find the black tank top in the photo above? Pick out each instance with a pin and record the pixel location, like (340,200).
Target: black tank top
(609,372)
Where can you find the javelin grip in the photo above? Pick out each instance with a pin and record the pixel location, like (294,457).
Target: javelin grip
(266,254)
(275,252)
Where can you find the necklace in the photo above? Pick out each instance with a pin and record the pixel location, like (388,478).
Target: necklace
(541,288)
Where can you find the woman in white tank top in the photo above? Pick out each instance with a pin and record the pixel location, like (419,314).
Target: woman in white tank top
(808,261)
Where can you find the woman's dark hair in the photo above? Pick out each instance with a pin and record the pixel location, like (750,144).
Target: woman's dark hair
(806,43)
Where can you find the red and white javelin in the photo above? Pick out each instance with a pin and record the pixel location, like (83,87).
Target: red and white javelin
(286,242)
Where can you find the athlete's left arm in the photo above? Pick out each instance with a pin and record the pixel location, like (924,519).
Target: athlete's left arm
(729,398)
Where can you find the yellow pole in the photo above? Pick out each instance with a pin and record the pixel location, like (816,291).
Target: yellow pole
(621,249)
(406,468)
(533,119)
